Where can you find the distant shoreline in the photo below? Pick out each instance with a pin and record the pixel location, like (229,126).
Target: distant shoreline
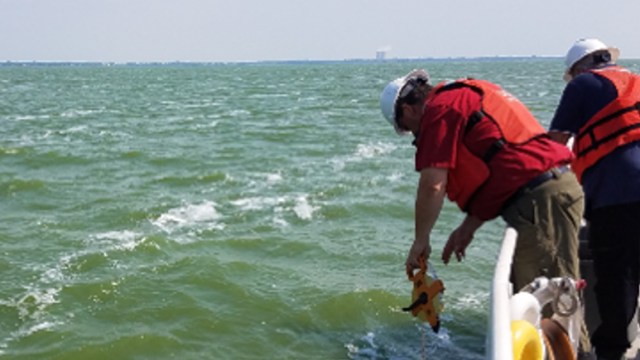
(276,62)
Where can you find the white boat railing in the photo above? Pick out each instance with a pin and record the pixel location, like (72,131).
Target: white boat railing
(499,346)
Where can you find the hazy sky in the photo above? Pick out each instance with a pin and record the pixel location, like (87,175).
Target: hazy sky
(249,30)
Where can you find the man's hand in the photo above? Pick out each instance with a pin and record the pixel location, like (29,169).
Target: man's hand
(458,242)
(559,137)
(461,238)
(419,249)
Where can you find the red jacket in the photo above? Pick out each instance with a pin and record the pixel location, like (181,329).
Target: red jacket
(517,126)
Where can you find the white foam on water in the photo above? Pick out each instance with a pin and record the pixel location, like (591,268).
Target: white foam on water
(200,216)
(204,126)
(280,205)
(117,240)
(338,163)
(25,331)
(258,203)
(369,338)
(32,117)
(266,96)
(95,244)
(34,302)
(116,134)
(71,130)
(362,152)
(470,301)
(443,334)
(369,352)
(75,129)
(303,209)
(39,327)
(8,151)
(53,275)
(395,177)
(259,181)
(239,112)
(74,113)
(277,220)
(352,349)
(272,178)
(366,151)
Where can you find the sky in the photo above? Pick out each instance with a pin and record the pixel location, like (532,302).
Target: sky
(273,30)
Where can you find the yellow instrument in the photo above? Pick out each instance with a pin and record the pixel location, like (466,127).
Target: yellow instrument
(426,297)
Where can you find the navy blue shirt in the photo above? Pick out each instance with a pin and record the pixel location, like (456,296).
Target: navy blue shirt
(614,179)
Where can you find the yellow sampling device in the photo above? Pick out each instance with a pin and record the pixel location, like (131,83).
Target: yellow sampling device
(426,297)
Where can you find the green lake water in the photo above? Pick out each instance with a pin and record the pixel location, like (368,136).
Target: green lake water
(227,212)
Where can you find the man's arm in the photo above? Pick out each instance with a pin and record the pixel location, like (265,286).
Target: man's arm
(431,191)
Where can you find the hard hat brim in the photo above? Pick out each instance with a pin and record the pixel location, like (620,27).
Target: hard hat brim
(615,54)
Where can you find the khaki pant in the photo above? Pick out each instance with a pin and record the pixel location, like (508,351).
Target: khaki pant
(547,219)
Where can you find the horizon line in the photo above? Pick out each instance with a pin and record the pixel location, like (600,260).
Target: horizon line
(246,62)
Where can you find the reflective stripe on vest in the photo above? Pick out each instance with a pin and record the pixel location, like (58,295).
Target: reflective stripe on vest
(516,124)
(615,125)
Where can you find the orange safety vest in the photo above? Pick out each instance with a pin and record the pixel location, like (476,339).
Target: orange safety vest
(615,125)
(512,117)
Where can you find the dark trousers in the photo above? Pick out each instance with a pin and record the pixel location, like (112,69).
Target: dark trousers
(614,239)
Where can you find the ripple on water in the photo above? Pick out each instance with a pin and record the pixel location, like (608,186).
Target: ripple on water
(14,186)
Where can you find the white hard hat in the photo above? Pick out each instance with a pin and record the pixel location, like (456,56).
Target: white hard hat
(390,95)
(584,47)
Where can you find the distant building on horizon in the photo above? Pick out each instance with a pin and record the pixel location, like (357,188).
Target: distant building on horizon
(381,55)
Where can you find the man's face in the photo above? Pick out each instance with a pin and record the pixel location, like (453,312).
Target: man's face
(410,117)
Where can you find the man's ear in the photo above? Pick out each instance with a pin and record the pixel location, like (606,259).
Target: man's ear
(408,110)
